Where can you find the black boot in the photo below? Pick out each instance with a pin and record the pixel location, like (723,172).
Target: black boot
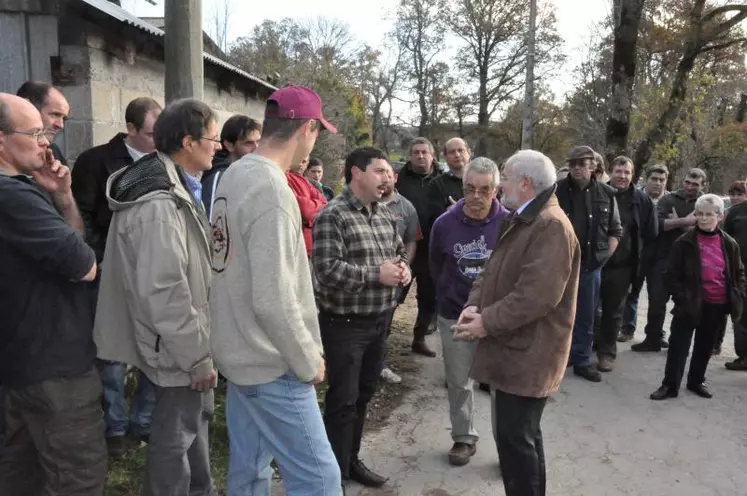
(663,393)
(364,476)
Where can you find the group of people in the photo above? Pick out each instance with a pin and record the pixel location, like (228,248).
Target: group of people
(184,252)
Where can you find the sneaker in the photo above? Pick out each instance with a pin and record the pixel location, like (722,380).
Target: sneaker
(738,364)
(589,372)
(388,376)
(460,454)
(624,337)
(701,390)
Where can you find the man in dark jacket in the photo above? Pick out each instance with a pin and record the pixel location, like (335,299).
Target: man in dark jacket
(675,216)
(90,174)
(412,183)
(624,268)
(735,225)
(592,209)
(447,189)
(240,135)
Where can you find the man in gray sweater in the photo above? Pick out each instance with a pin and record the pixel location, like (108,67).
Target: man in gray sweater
(266,338)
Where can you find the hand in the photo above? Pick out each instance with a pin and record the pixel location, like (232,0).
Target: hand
(467,314)
(390,273)
(452,201)
(53,176)
(204,379)
(673,214)
(406,273)
(691,219)
(319,377)
(469,331)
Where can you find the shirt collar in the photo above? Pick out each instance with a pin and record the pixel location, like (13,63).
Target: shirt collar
(521,208)
(354,202)
(134,154)
(194,184)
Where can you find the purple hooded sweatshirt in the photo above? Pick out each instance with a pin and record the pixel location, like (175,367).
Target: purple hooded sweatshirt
(459,249)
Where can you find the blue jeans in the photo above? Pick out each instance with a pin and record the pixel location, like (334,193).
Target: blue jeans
(630,314)
(280,419)
(115,409)
(586,306)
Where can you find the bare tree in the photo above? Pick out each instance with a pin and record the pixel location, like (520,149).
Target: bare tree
(526,131)
(707,31)
(495,35)
(419,31)
(627,18)
(220,23)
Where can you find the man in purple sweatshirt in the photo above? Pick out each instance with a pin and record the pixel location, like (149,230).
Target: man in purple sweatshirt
(461,242)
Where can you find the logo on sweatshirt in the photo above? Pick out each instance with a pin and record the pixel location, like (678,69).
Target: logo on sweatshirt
(471,257)
(221,237)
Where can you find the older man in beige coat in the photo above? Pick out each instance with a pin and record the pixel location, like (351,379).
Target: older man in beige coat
(153,302)
(521,310)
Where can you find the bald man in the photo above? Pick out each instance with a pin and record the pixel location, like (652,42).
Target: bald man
(54,436)
(53,107)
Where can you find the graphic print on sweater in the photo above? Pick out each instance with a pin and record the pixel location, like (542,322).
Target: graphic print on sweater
(471,257)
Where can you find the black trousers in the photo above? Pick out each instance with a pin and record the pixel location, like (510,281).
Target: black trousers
(354,351)
(426,297)
(740,336)
(518,437)
(616,283)
(657,302)
(711,318)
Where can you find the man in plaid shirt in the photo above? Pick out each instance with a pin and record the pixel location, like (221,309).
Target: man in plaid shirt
(359,262)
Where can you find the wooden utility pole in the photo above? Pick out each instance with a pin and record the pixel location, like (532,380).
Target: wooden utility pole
(526,132)
(183,49)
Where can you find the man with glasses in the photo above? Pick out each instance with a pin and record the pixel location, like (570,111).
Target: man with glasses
(239,136)
(676,215)
(53,107)
(462,240)
(54,440)
(592,209)
(152,310)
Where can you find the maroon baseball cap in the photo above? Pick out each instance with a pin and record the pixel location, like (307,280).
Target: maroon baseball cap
(298,103)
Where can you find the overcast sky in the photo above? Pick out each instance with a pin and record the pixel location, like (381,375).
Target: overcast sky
(370,20)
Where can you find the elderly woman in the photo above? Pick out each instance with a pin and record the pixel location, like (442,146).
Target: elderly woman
(705,277)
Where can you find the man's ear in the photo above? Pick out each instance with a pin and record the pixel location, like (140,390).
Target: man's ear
(131,129)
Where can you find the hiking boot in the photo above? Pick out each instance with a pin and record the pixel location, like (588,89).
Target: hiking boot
(663,393)
(421,348)
(460,454)
(364,476)
(701,390)
(624,337)
(606,364)
(388,376)
(648,345)
(589,372)
(738,364)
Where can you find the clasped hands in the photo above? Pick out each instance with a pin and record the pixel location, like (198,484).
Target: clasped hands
(395,273)
(469,327)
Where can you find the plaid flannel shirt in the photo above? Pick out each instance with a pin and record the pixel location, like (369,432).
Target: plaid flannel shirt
(350,243)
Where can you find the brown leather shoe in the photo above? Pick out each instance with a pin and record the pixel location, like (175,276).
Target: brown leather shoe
(421,348)
(460,454)
(606,364)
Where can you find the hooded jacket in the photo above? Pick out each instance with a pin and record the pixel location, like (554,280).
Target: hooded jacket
(153,300)
(310,203)
(414,187)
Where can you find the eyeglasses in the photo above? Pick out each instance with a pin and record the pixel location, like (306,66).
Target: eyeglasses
(470,190)
(214,140)
(38,133)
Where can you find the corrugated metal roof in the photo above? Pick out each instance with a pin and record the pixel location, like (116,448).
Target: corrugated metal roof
(123,16)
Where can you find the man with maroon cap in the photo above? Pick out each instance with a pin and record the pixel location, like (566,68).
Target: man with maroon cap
(592,209)
(266,339)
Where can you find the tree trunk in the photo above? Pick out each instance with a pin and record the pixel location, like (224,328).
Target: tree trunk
(664,126)
(628,20)
(483,120)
